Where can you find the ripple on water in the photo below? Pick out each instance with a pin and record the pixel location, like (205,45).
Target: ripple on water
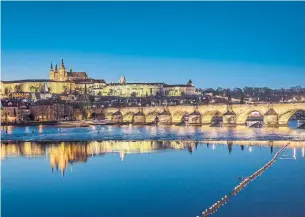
(150,132)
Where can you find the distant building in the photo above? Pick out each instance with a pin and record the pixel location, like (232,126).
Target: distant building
(124,89)
(61,73)
(62,81)
(48,111)
(9,112)
(14,111)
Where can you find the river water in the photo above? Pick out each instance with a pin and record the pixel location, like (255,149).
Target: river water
(130,132)
(150,171)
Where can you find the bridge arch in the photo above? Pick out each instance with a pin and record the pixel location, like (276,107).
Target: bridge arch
(128,117)
(117,117)
(285,117)
(139,118)
(151,117)
(108,116)
(243,117)
(177,117)
(207,117)
(97,115)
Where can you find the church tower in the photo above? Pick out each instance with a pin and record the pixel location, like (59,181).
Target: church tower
(122,80)
(63,72)
(56,73)
(52,76)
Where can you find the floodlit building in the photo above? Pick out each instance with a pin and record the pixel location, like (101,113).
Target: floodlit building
(63,81)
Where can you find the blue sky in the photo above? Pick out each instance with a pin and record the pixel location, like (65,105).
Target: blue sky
(228,44)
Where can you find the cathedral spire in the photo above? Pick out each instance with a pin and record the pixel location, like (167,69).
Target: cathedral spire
(70,67)
(62,63)
(56,68)
(51,66)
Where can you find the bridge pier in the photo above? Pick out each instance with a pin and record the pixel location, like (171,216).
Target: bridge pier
(194,118)
(271,119)
(165,118)
(229,119)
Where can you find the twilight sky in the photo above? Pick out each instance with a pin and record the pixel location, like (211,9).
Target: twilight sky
(228,44)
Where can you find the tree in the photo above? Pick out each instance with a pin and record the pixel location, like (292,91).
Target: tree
(298,98)
(133,94)
(99,93)
(65,89)
(34,88)
(6,116)
(93,115)
(41,88)
(18,88)
(91,99)
(31,117)
(229,98)
(219,90)
(7,90)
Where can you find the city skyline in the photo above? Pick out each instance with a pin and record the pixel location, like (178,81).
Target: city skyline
(212,43)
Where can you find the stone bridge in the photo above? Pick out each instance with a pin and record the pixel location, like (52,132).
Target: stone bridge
(274,115)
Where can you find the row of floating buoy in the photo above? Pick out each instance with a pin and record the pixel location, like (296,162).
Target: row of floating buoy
(241,185)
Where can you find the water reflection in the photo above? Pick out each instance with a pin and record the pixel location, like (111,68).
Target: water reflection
(62,154)
(131,132)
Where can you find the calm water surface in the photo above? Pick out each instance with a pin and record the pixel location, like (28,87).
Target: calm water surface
(149,178)
(150,171)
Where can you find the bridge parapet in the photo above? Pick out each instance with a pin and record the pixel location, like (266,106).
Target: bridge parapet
(204,114)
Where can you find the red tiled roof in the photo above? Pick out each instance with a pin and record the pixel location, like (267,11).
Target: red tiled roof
(77,74)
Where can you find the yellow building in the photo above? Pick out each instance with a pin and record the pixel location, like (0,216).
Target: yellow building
(36,85)
(124,89)
(60,81)
(61,73)
(63,81)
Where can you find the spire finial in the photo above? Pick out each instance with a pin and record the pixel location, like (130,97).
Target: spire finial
(62,63)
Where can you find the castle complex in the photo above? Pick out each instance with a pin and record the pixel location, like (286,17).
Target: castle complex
(63,81)
(61,73)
